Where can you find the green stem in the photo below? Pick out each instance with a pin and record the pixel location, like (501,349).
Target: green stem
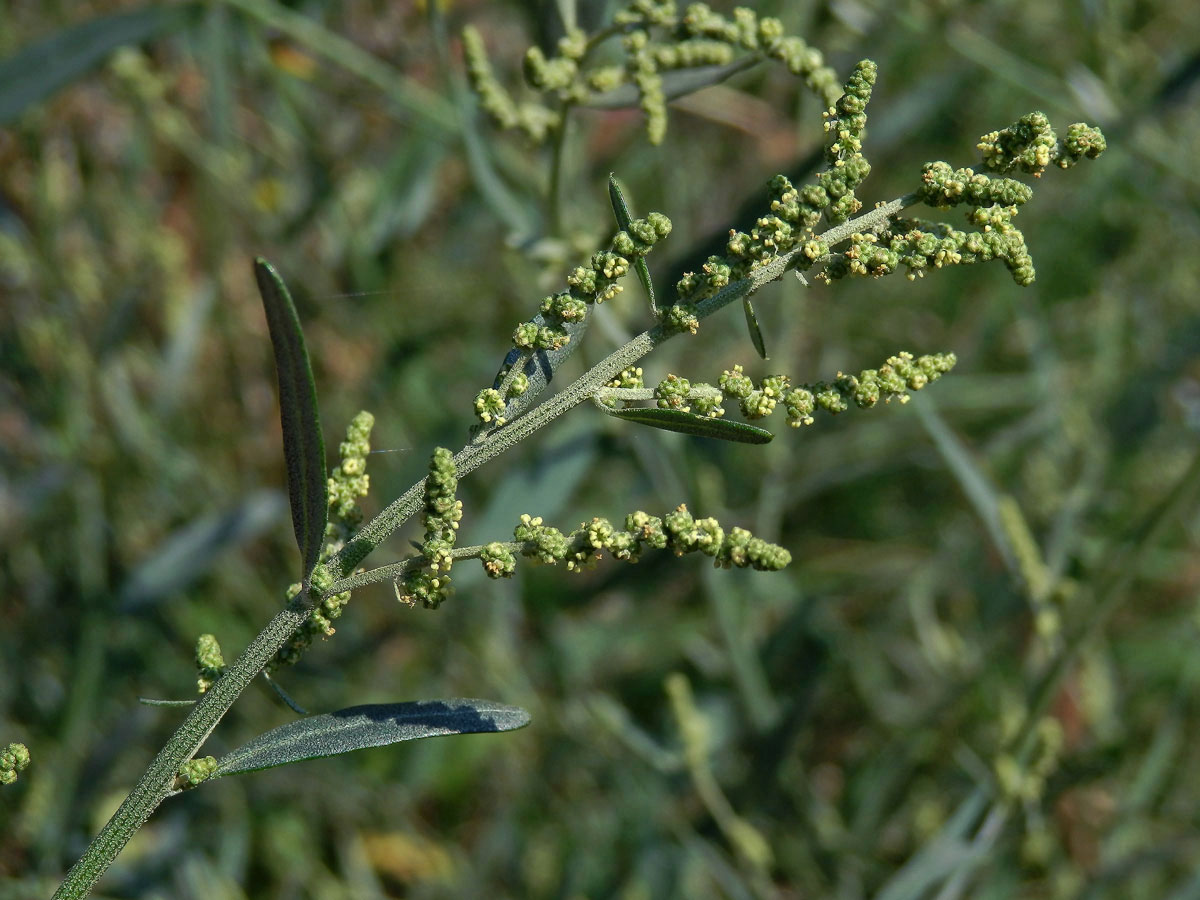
(157,781)
(557,172)
(156,784)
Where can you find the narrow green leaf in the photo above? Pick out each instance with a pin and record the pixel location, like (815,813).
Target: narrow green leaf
(756,337)
(688,423)
(372,725)
(303,448)
(33,74)
(621,211)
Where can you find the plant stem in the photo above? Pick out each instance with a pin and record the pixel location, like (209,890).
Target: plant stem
(156,783)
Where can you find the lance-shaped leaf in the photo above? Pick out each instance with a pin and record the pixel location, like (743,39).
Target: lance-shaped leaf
(372,725)
(621,211)
(756,337)
(303,448)
(688,423)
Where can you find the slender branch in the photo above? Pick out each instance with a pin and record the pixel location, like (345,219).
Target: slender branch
(156,784)
(497,442)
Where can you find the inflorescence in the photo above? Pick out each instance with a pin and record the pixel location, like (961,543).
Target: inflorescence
(794,212)
(430,585)
(655,41)
(347,483)
(893,380)
(14,759)
(678,531)
(563,316)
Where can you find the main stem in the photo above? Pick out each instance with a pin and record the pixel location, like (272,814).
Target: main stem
(158,781)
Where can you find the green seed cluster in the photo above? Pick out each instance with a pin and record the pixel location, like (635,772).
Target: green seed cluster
(195,771)
(14,759)
(347,483)
(893,380)
(533,119)
(672,393)
(794,212)
(595,282)
(677,531)
(919,245)
(443,512)
(1030,145)
(210,664)
(655,40)
(349,480)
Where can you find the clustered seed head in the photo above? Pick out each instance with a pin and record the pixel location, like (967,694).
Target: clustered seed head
(795,212)
(347,482)
(678,531)
(595,282)
(210,664)
(656,40)
(14,759)
(919,245)
(430,585)
(535,120)
(894,379)
(672,393)
(194,771)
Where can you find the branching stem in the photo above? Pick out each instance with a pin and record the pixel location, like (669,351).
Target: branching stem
(156,784)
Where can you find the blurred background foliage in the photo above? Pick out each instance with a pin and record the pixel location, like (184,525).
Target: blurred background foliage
(848,728)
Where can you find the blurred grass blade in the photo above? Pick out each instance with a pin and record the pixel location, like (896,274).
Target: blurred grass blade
(676,83)
(372,725)
(429,110)
(196,548)
(975,483)
(940,855)
(687,423)
(33,74)
(756,337)
(621,211)
(303,448)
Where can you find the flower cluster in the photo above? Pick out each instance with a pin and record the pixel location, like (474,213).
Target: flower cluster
(1029,145)
(794,212)
(348,481)
(210,664)
(677,531)
(13,760)
(195,771)
(430,584)
(656,41)
(892,380)
(562,319)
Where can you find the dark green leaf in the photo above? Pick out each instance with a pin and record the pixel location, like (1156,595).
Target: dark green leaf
(373,725)
(33,74)
(621,211)
(687,423)
(756,337)
(303,448)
